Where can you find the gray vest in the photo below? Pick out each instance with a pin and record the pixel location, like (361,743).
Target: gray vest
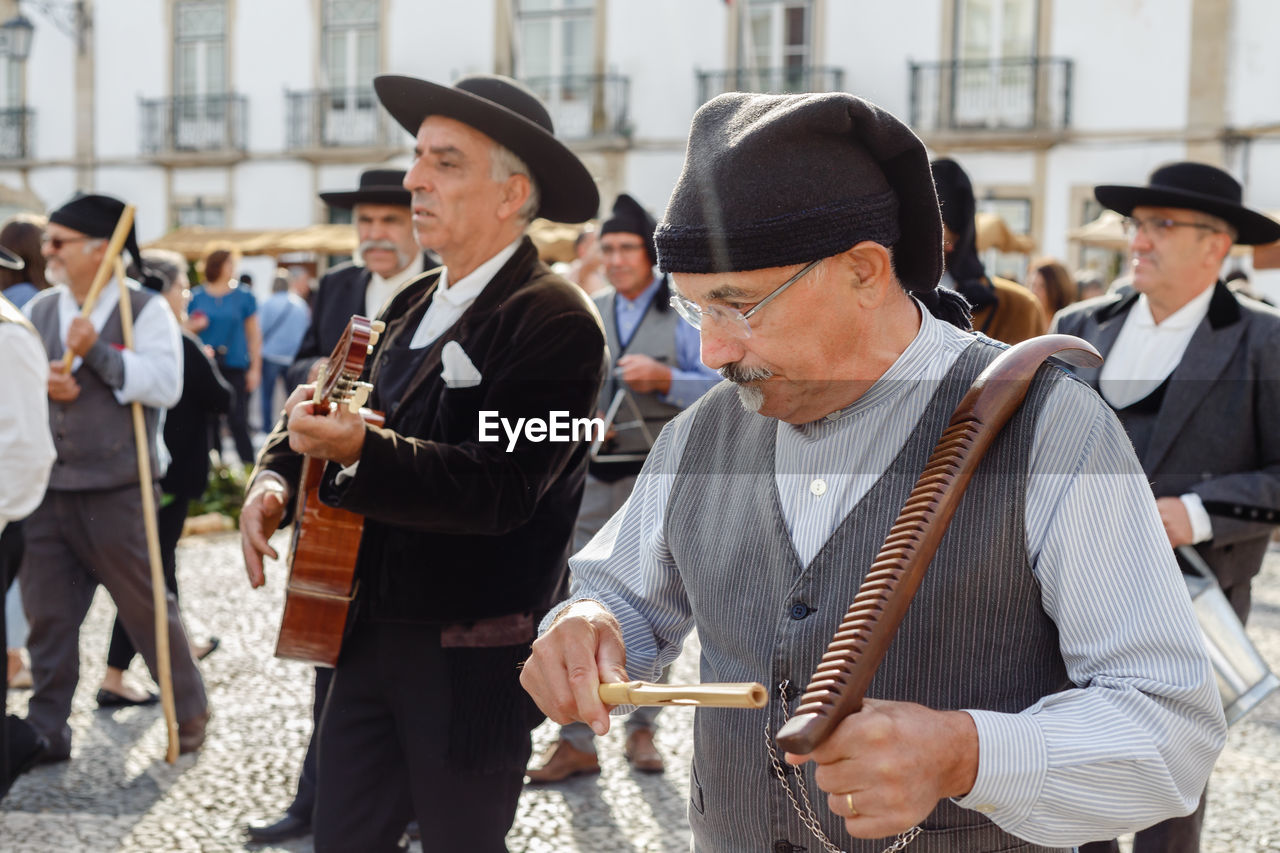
(761,616)
(93,434)
(654,337)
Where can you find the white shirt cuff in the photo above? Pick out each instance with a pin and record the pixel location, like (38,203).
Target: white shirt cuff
(346,473)
(1201,526)
(1012,762)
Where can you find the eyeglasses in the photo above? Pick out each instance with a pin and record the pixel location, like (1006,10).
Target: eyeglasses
(56,243)
(731,319)
(1160,227)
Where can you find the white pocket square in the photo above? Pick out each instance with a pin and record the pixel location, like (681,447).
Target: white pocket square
(456,368)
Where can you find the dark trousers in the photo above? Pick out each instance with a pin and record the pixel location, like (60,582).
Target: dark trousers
(383,752)
(169,520)
(10,560)
(237,419)
(1176,835)
(76,540)
(304,801)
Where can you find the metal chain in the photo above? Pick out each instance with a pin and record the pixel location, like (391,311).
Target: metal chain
(805,811)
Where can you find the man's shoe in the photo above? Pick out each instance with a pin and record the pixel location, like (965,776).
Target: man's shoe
(191,732)
(642,753)
(287,827)
(26,748)
(561,761)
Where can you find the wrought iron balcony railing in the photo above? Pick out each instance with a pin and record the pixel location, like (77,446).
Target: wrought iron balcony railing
(193,124)
(781,81)
(337,118)
(586,106)
(1030,94)
(17,129)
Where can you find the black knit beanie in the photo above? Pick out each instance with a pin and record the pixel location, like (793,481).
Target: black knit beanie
(96,216)
(629,217)
(776,180)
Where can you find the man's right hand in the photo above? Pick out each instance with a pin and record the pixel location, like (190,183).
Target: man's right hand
(63,387)
(582,649)
(259,517)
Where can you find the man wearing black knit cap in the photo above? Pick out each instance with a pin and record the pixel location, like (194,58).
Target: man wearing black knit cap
(1013,711)
(655,374)
(88,530)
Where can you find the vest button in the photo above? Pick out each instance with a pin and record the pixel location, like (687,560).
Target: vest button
(800,610)
(782,847)
(818,488)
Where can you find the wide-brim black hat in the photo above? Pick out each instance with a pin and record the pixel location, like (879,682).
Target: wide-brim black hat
(511,115)
(1194,186)
(377,186)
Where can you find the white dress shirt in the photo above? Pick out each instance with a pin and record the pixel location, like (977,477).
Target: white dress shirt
(1144,355)
(381,289)
(1138,736)
(451,300)
(26,445)
(153,368)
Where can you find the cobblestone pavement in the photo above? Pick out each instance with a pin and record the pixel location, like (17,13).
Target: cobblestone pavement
(117,793)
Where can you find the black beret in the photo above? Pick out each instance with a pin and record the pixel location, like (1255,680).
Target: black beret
(629,217)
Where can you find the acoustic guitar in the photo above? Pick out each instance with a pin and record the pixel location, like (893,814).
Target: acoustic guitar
(322,555)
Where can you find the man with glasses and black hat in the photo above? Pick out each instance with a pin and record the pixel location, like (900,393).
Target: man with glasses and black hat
(656,374)
(1192,372)
(1017,709)
(89,530)
(465,538)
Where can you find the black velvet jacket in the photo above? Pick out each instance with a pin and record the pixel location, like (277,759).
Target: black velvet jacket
(458,529)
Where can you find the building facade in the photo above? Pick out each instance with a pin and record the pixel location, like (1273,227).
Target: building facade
(235,114)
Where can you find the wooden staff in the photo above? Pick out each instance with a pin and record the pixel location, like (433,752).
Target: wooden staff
(159,602)
(103,275)
(736,695)
(862,640)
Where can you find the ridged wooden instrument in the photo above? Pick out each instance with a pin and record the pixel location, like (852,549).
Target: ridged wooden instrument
(840,681)
(322,555)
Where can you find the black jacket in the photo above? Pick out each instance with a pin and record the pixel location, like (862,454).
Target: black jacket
(458,529)
(204,393)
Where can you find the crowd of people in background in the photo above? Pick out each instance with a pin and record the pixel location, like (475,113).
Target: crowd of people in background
(638,322)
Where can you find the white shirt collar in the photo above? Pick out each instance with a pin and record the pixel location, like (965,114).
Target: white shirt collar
(1188,316)
(466,289)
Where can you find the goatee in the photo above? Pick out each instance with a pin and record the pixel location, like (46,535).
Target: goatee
(750,394)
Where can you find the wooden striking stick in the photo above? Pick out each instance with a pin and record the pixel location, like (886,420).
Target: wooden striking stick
(103,275)
(840,682)
(737,695)
(159,601)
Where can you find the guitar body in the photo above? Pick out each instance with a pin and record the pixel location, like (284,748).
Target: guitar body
(322,554)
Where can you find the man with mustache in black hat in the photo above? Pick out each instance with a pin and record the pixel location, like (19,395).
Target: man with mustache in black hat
(387,258)
(657,371)
(1013,710)
(1192,373)
(465,535)
(89,530)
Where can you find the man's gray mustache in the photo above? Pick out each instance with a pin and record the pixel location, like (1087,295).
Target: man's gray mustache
(374,245)
(740,375)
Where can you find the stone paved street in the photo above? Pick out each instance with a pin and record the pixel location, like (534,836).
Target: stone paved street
(117,793)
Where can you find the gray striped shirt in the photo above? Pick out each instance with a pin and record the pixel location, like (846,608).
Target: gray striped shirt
(1133,744)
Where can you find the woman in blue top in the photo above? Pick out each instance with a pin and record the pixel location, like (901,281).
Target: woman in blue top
(225,316)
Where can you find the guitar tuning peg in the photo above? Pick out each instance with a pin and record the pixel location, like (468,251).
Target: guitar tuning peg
(369,349)
(359,396)
(378,327)
(373,339)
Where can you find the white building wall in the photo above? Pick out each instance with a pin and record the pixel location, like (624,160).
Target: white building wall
(139,185)
(440,40)
(661,45)
(51,90)
(123,73)
(263,65)
(1132,59)
(874,44)
(1254,71)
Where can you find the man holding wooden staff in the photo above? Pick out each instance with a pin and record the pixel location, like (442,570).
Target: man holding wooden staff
(1047,685)
(89,528)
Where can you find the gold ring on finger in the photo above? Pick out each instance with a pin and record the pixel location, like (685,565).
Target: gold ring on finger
(848,801)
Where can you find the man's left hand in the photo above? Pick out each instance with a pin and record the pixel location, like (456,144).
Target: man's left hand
(644,374)
(81,336)
(1176,521)
(893,762)
(336,435)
